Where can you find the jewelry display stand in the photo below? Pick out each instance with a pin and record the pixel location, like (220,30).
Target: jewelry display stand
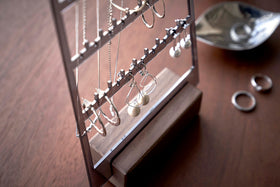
(174,98)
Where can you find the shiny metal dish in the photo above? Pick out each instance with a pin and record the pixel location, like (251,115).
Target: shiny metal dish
(236,26)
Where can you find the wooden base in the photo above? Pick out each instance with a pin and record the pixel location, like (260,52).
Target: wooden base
(186,103)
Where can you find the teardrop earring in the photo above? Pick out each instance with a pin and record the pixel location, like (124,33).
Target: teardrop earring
(147,88)
(133,108)
(175,51)
(186,42)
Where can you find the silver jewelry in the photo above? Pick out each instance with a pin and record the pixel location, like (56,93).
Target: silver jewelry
(258,87)
(186,42)
(110,15)
(84,21)
(175,51)
(150,87)
(143,99)
(114,113)
(156,12)
(239,107)
(141,5)
(113,109)
(144,20)
(98,52)
(133,107)
(101,131)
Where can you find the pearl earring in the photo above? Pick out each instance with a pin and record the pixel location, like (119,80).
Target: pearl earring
(149,87)
(133,108)
(186,42)
(175,51)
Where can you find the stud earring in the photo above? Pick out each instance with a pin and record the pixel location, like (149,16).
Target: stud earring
(186,42)
(133,108)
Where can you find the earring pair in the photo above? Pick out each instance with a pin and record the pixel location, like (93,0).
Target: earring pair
(142,97)
(184,43)
(102,130)
(114,112)
(134,105)
(140,6)
(154,12)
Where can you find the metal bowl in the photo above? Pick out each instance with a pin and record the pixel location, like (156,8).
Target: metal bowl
(236,26)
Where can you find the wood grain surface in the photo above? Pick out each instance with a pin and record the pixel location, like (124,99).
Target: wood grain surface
(222,147)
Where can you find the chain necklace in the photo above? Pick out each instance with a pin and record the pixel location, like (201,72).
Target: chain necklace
(118,47)
(110,15)
(98,52)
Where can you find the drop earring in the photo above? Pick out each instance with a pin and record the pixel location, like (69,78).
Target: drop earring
(147,88)
(175,51)
(133,108)
(186,41)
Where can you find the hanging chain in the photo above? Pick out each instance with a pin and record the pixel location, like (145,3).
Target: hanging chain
(84,20)
(98,52)
(110,15)
(118,47)
(84,6)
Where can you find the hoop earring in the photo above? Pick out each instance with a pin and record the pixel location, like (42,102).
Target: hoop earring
(101,131)
(149,88)
(156,12)
(127,10)
(144,20)
(114,113)
(133,108)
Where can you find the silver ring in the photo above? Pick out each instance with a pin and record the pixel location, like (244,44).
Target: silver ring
(244,109)
(258,87)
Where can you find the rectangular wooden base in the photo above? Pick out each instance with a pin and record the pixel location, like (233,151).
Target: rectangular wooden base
(104,149)
(186,103)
